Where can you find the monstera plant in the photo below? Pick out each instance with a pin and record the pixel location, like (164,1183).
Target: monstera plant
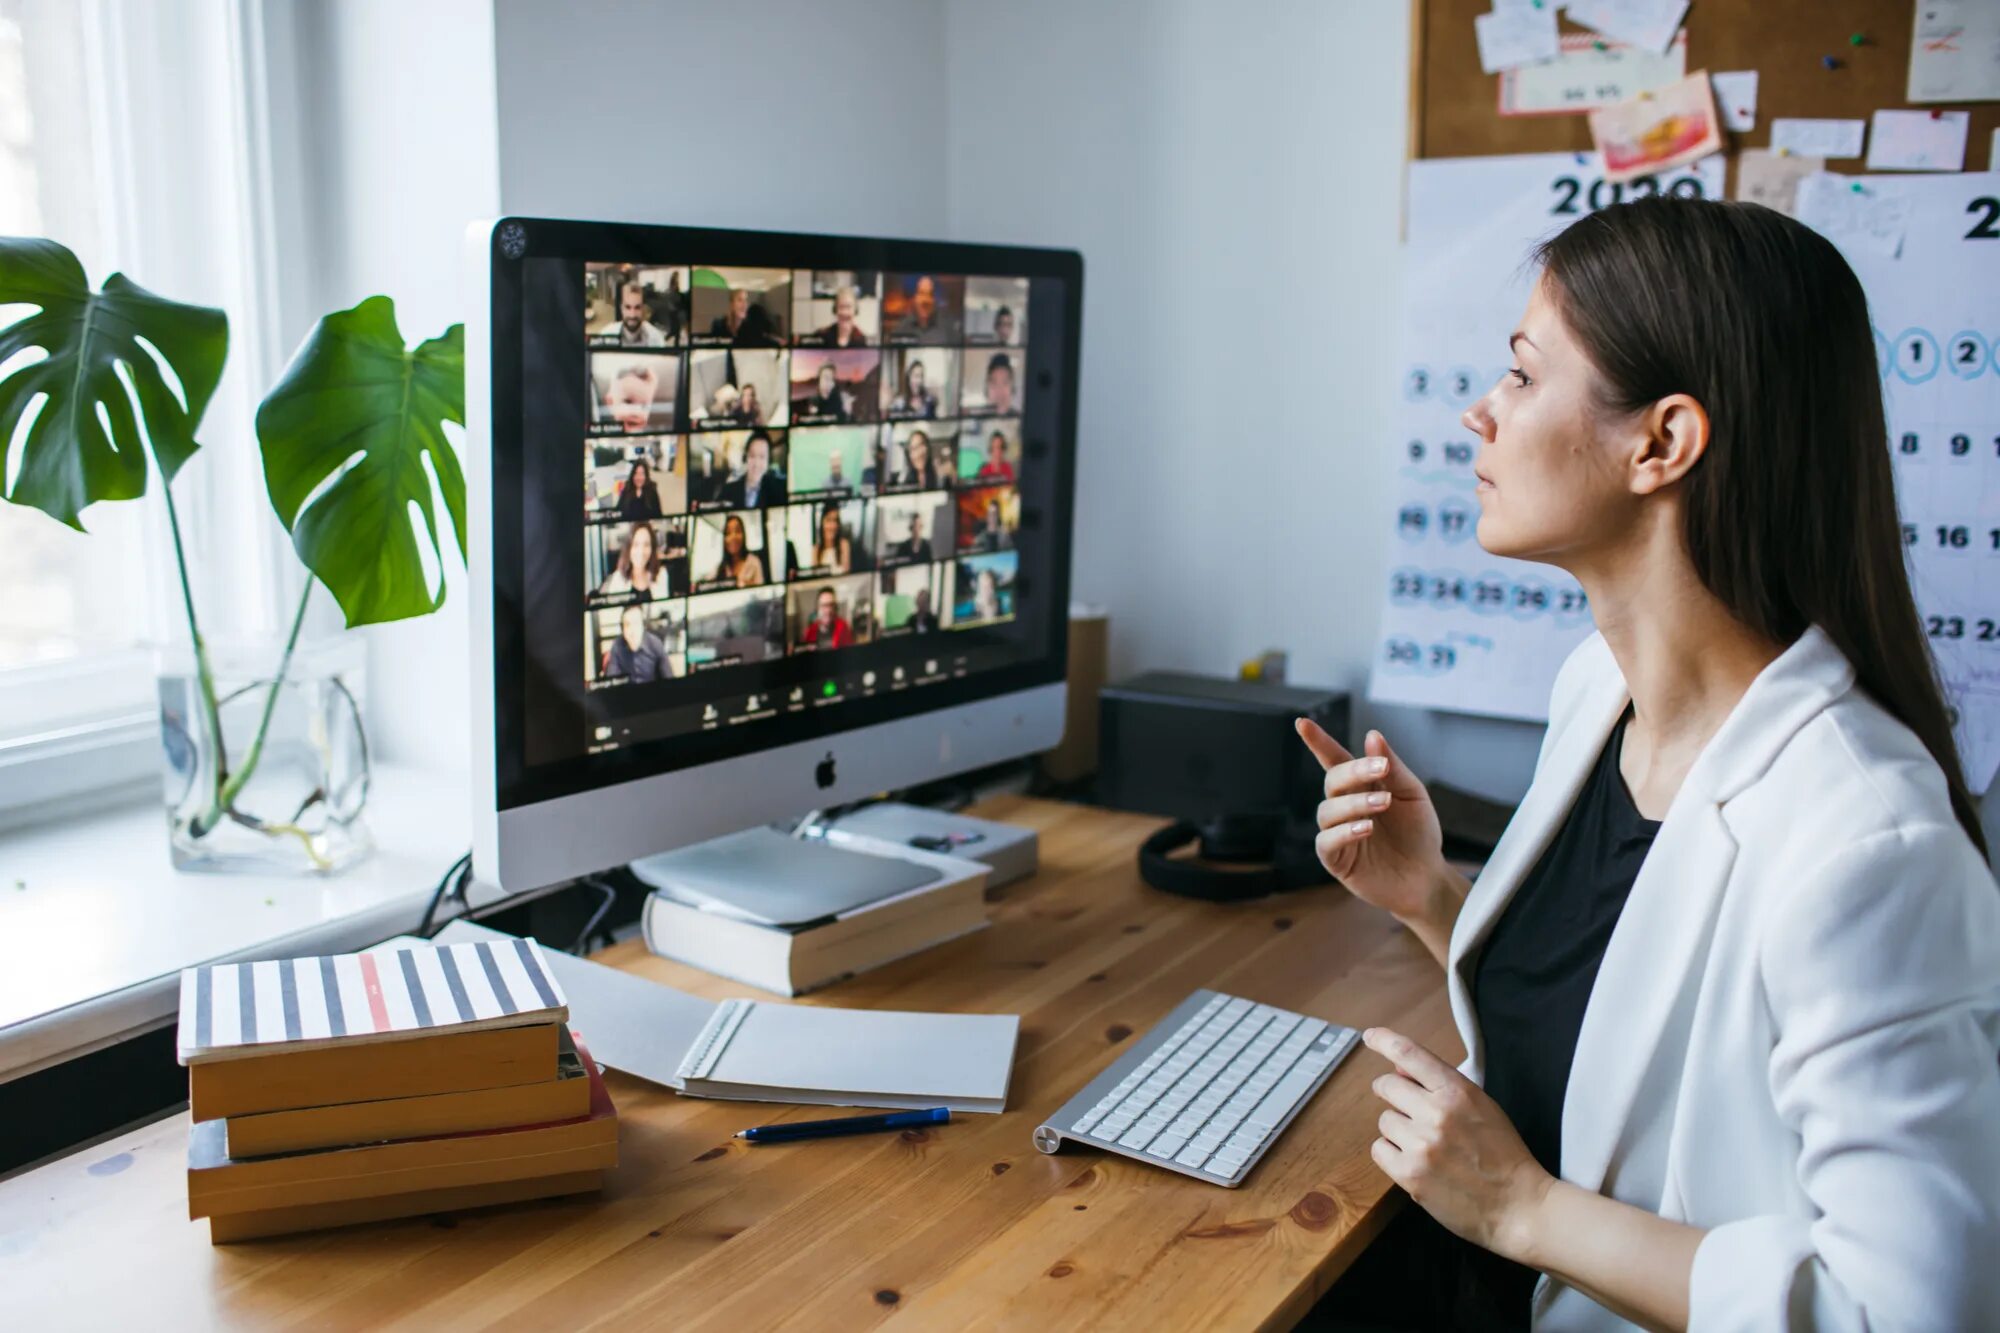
(351,437)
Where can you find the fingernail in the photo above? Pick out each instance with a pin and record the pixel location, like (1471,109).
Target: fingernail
(1360,827)
(1378,799)
(1378,765)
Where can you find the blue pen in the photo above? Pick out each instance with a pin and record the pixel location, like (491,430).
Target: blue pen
(859,1124)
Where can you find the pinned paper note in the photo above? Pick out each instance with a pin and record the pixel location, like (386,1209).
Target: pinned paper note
(1511,37)
(1736,98)
(1955,51)
(1646,24)
(1773,180)
(1918,140)
(1655,131)
(1818,138)
(1993,153)
(1590,72)
(1855,214)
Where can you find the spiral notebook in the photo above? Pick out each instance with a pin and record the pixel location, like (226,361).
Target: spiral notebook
(752,1051)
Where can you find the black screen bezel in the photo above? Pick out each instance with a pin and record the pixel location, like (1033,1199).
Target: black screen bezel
(515,240)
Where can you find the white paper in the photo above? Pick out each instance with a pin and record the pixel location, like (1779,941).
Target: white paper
(1933,310)
(1773,181)
(1460,629)
(1955,51)
(1511,37)
(1860,216)
(1589,73)
(1818,138)
(1527,4)
(1993,153)
(1646,24)
(1736,98)
(1918,140)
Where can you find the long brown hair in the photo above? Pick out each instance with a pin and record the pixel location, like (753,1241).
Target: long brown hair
(1791,513)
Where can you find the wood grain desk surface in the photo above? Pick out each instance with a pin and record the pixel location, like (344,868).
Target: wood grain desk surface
(961,1226)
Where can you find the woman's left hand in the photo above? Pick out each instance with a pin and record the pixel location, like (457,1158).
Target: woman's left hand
(1453,1149)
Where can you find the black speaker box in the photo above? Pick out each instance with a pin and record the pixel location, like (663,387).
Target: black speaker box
(1201,748)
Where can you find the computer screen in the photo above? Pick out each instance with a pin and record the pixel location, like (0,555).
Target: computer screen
(750,488)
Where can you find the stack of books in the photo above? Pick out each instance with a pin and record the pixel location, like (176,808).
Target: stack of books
(358,1087)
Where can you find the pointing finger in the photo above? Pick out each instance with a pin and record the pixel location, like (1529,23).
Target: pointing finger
(1324,747)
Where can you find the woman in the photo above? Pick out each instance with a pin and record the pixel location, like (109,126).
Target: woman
(639,498)
(739,565)
(827,402)
(918,472)
(915,400)
(832,552)
(1730,983)
(986,597)
(640,572)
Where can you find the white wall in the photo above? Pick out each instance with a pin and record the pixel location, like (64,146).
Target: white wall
(389,106)
(1232,174)
(803,115)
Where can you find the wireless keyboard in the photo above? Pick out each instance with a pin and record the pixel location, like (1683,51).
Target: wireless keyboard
(1207,1089)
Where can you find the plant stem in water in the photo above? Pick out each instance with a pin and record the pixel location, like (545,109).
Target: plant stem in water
(256,750)
(211,713)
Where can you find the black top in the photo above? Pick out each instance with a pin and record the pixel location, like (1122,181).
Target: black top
(1534,974)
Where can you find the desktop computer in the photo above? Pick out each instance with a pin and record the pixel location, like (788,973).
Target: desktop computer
(759,523)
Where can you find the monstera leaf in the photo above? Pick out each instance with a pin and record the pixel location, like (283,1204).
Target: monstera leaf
(84,444)
(345,436)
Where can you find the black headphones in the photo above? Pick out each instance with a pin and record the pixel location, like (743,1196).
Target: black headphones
(1275,854)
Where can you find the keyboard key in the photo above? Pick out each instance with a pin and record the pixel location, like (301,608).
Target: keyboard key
(1193,1155)
(1279,1101)
(1167,1145)
(1137,1139)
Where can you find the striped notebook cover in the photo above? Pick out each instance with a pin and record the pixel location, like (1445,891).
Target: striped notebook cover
(232,1010)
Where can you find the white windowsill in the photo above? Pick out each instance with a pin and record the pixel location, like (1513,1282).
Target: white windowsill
(92,947)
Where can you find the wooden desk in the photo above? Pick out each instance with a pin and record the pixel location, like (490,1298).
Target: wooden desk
(966,1225)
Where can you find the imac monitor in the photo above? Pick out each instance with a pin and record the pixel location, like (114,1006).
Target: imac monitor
(760,522)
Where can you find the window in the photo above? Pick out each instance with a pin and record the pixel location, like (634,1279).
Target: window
(125,135)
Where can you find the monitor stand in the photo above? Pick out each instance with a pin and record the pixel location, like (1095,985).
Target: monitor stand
(764,875)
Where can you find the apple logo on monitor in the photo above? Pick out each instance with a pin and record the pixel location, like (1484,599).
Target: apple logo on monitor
(823,772)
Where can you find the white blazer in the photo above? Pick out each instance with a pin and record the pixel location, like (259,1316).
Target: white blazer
(1794,1039)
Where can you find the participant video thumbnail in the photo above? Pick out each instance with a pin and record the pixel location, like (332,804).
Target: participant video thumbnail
(830,538)
(837,308)
(912,528)
(988,518)
(996,311)
(992,384)
(630,305)
(646,561)
(635,644)
(738,470)
(920,457)
(985,589)
(829,460)
(831,613)
(913,599)
(734,628)
(922,307)
(923,383)
(742,307)
(729,389)
(991,451)
(830,387)
(744,549)
(634,393)
(636,478)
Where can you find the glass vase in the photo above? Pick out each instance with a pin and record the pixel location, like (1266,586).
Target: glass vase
(284,787)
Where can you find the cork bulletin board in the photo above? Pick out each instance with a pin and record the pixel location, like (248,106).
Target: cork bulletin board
(1454,107)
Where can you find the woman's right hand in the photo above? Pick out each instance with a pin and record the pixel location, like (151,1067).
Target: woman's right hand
(1379,833)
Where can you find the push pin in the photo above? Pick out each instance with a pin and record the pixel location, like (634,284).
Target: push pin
(1829,62)
(1858,39)
(1937,115)
(1597,46)
(1856,188)
(1784,152)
